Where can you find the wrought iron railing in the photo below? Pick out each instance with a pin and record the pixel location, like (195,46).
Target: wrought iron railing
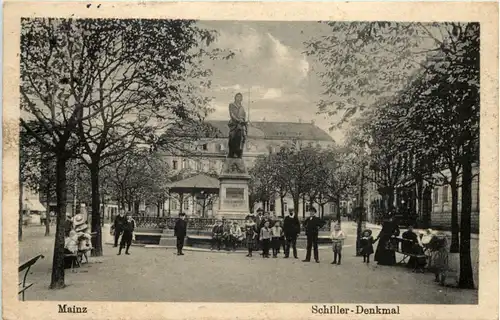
(199,224)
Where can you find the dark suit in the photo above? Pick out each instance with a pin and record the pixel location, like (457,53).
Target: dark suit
(120,221)
(312,226)
(180,230)
(291,228)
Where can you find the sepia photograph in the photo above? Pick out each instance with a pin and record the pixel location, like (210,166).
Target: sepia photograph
(324,162)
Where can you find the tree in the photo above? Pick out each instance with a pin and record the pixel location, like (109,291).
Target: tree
(131,78)
(377,59)
(49,112)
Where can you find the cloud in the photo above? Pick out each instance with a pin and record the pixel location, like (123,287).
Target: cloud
(272,93)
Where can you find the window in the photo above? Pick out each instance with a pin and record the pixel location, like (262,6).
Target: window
(184,164)
(204,147)
(285,207)
(198,166)
(445,194)
(174,164)
(186,204)
(173,204)
(436,196)
(308,207)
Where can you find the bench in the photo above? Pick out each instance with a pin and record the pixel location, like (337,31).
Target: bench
(408,255)
(23,286)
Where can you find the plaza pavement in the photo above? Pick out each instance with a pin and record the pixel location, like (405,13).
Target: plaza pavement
(158,275)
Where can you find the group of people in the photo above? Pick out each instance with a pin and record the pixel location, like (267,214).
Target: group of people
(262,232)
(77,239)
(123,227)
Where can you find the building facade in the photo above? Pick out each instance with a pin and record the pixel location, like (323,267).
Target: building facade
(263,138)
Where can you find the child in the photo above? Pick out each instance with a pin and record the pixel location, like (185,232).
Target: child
(366,244)
(251,235)
(217,235)
(276,235)
(265,239)
(338,236)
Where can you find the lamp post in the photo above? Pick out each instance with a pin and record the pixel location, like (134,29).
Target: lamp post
(361,223)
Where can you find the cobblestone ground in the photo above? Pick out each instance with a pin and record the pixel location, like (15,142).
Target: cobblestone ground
(158,275)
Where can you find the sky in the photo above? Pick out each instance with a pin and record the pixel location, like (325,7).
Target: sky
(270,70)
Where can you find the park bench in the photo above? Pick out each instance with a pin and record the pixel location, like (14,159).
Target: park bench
(23,286)
(407,254)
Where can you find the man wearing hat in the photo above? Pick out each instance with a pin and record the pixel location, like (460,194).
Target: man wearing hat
(291,228)
(180,231)
(68,224)
(120,221)
(312,225)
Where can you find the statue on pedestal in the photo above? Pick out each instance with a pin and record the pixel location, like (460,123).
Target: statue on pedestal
(237,127)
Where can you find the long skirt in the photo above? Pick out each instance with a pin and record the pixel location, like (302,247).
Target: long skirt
(251,242)
(385,255)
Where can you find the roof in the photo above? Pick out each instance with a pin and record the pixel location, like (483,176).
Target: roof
(196,183)
(277,130)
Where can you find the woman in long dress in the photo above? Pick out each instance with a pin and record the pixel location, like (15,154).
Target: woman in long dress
(385,253)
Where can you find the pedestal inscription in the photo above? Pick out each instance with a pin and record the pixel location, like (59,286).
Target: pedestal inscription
(233,200)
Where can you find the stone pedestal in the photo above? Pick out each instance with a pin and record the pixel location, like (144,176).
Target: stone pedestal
(233,192)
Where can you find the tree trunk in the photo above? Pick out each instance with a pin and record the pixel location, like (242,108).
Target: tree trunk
(296,200)
(204,206)
(158,209)
(466,279)
(282,202)
(47,217)
(96,214)
(304,207)
(337,206)
(57,279)
(454,247)
(20,218)
(390,200)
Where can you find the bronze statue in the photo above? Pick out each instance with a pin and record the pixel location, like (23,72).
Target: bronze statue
(237,127)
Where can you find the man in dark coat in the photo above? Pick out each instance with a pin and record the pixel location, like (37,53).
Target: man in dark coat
(312,226)
(68,225)
(128,234)
(120,221)
(291,228)
(180,231)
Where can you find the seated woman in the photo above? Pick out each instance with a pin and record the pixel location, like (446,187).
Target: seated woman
(235,234)
(411,245)
(70,247)
(217,235)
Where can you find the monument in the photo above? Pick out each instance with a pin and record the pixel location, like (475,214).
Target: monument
(234,177)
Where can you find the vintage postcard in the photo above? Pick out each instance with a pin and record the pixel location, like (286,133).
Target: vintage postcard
(250,160)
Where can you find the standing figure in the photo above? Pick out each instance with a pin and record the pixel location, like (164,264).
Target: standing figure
(338,236)
(386,252)
(118,226)
(251,234)
(180,231)
(68,224)
(265,239)
(291,229)
(439,245)
(276,236)
(367,242)
(237,127)
(128,234)
(312,226)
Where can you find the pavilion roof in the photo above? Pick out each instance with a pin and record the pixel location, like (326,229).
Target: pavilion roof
(196,183)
